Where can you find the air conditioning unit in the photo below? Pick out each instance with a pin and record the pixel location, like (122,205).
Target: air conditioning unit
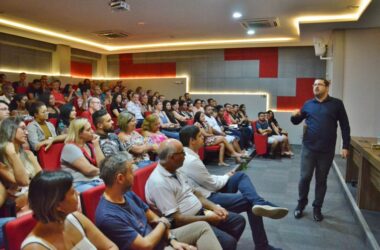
(260,23)
(119,5)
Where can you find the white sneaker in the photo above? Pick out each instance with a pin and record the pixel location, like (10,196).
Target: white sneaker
(269,211)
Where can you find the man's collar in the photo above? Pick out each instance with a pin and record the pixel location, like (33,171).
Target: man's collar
(328,98)
(190,152)
(163,171)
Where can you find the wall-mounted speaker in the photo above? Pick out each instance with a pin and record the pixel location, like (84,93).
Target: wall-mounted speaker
(320,47)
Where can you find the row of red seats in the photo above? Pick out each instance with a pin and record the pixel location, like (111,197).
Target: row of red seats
(16,231)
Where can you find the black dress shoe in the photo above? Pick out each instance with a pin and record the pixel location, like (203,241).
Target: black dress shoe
(317,214)
(298,212)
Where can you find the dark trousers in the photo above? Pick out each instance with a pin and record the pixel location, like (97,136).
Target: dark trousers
(243,202)
(321,163)
(229,231)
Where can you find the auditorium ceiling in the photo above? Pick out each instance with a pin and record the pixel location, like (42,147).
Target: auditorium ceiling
(161,25)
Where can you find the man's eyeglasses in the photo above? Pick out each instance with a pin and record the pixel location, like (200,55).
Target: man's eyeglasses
(177,153)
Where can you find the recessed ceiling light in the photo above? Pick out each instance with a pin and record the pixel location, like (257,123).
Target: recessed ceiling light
(237,15)
(250,32)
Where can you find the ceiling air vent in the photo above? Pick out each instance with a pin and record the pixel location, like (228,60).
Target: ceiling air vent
(111,34)
(260,23)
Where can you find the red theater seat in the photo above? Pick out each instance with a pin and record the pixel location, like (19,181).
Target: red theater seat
(190,121)
(53,121)
(51,159)
(15,231)
(141,176)
(260,141)
(207,149)
(90,200)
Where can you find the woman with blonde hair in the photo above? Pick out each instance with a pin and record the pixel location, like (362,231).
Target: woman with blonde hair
(17,166)
(59,225)
(151,130)
(81,155)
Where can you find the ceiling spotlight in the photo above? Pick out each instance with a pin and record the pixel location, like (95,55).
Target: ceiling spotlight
(237,15)
(250,32)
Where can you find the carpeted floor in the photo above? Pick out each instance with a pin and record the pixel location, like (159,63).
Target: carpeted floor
(277,181)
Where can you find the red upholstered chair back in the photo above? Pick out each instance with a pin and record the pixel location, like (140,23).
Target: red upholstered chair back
(90,200)
(260,141)
(53,121)
(190,121)
(147,113)
(15,231)
(141,176)
(51,159)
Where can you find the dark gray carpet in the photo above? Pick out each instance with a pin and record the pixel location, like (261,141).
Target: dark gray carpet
(277,181)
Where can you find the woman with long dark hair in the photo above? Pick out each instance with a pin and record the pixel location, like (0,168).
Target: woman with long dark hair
(116,105)
(67,114)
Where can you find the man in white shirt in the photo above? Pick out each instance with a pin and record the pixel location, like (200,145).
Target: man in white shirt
(134,106)
(168,191)
(223,189)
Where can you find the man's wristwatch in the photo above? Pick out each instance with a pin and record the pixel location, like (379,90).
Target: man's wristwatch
(171,237)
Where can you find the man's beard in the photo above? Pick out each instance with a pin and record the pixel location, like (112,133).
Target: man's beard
(108,130)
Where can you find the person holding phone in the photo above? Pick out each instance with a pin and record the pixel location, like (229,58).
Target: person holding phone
(222,189)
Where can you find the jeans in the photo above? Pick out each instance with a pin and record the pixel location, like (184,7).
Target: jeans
(243,202)
(143,163)
(229,231)
(171,134)
(321,162)
(82,186)
(2,223)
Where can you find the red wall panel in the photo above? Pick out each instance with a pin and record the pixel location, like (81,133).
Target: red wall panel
(81,69)
(128,69)
(304,91)
(268,59)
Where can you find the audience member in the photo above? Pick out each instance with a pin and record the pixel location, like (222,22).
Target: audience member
(168,128)
(181,119)
(197,106)
(67,114)
(183,110)
(116,105)
(133,141)
(134,107)
(56,92)
(81,155)
(59,225)
(210,139)
(49,100)
(277,130)
(167,108)
(8,93)
(219,130)
(129,222)
(40,131)
(44,83)
(35,90)
(108,141)
(4,110)
(263,128)
(21,85)
(93,106)
(17,166)
(223,189)
(151,130)
(68,93)
(145,106)
(18,106)
(168,191)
